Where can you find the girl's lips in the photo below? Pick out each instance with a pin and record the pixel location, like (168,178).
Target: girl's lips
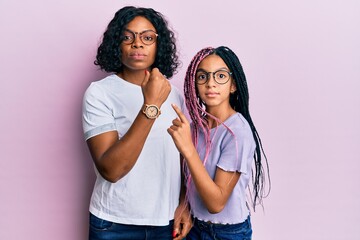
(211,94)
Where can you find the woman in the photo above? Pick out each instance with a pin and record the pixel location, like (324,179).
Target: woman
(219,147)
(125,117)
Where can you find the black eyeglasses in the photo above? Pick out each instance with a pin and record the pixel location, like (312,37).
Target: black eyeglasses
(220,76)
(147,37)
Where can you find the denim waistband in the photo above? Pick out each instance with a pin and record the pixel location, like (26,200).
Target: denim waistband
(209,224)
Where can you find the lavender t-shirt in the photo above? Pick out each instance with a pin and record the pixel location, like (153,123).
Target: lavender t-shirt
(232,150)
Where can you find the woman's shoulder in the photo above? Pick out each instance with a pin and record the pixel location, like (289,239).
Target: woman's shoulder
(100,89)
(111,84)
(107,81)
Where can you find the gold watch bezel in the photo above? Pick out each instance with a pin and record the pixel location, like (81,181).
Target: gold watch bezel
(148,110)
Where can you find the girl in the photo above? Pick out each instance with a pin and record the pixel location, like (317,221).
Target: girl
(219,147)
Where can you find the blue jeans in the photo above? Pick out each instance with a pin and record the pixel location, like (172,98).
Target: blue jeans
(211,231)
(101,229)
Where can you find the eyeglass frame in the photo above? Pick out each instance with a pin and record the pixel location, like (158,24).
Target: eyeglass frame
(213,75)
(140,36)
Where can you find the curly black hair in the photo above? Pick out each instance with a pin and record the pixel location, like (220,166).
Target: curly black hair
(108,56)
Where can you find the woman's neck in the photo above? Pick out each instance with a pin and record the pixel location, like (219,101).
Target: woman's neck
(132,76)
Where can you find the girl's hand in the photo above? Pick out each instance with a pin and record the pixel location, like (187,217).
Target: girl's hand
(181,134)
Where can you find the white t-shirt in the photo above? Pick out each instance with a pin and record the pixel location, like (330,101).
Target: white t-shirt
(149,193)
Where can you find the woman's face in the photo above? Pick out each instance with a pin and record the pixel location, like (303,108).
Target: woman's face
(137,55)
(212,93)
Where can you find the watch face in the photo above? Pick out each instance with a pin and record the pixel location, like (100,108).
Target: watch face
(152,111)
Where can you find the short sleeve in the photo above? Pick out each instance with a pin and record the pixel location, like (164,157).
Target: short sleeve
(237,150)
(97,113)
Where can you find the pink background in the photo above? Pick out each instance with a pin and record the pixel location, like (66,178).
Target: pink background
(302,60)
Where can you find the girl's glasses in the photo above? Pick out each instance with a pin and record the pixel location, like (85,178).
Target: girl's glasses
(220,76)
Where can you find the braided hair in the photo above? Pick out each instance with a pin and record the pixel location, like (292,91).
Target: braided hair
(239,101)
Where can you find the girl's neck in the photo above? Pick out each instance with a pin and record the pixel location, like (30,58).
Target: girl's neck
(221,114)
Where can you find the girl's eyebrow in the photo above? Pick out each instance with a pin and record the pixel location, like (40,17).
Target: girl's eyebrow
(203,70)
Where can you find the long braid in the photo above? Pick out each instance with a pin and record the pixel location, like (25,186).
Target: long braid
(240,102)
(193,102)
(196,109)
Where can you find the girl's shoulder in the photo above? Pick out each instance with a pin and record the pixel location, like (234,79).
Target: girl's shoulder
(238,125)
(237,120)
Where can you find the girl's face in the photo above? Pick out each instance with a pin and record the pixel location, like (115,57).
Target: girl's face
(213,94)
(137,55)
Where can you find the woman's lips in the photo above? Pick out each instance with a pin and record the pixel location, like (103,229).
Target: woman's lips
(138,56)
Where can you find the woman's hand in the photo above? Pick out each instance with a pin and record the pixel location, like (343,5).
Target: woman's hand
(182,222)
(155,87)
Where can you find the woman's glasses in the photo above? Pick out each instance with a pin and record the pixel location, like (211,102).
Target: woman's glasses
(147,37)
(220,76)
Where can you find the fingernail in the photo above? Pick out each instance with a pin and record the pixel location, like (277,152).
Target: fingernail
(174,233)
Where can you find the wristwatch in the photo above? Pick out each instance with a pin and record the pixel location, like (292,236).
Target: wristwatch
(151,111)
